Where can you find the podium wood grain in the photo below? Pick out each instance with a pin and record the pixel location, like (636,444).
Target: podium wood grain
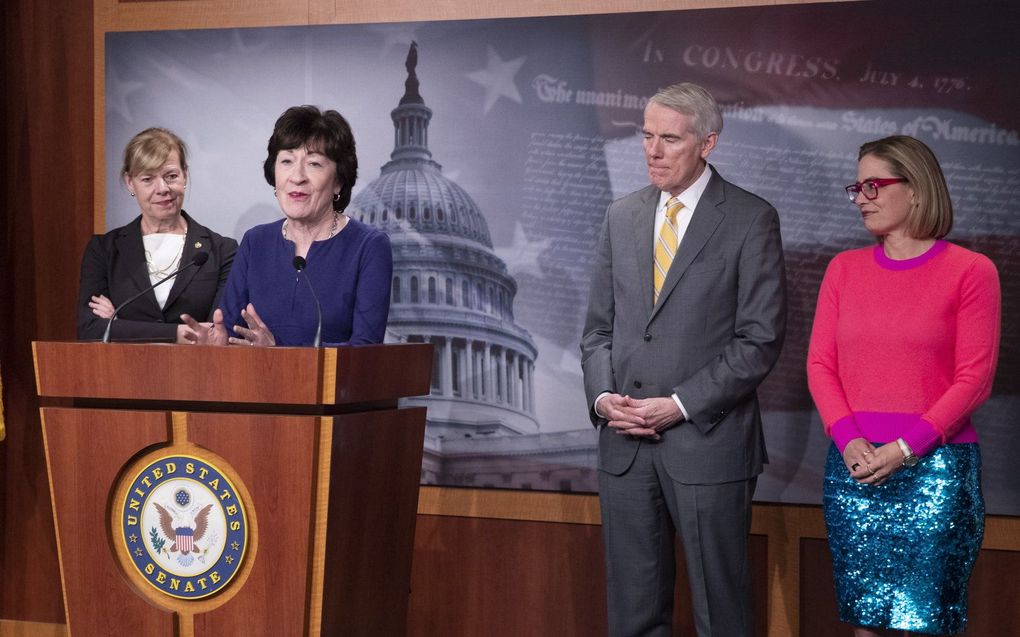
(331,489)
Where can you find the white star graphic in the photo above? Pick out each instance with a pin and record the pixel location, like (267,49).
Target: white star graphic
(117,92)
(498,78)
(240,48)
(521,256)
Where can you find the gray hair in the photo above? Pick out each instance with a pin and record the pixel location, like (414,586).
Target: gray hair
(695,102)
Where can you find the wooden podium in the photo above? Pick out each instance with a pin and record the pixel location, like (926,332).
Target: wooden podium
(231,490)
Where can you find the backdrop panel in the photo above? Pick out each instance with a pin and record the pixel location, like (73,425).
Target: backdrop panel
(528,128)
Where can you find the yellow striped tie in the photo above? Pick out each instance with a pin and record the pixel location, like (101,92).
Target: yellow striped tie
(665,246)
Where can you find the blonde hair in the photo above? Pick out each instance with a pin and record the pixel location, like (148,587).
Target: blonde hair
(931,216)
(149,149)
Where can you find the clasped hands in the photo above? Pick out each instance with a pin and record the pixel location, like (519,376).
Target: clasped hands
(255,334)
(869,464)
(639,417)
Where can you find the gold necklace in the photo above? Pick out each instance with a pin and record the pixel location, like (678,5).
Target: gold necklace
(159,273)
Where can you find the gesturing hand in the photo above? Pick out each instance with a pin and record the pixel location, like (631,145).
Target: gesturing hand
(257,333)
(203,333)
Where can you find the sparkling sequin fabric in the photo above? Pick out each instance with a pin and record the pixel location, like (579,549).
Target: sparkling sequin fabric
(902,552)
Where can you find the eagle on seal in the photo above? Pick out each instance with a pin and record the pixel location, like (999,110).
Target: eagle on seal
(184,537)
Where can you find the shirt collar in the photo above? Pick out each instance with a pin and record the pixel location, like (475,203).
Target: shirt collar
(690,197)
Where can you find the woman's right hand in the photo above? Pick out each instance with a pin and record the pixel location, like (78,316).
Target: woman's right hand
(197,333)
(856,456)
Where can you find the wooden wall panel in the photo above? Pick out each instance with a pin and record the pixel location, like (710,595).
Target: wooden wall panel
(791,567)
(46,218)
(475,576)
(504,578)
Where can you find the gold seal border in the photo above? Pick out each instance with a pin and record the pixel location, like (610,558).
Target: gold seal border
(186,608)
(148,497)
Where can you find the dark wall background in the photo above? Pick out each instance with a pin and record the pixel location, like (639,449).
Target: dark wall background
(46,218)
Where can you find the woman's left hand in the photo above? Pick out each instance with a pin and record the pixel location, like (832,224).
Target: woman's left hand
(101,306)
(885,461)
(257,333)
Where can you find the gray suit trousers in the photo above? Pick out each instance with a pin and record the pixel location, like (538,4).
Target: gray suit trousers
(642,512)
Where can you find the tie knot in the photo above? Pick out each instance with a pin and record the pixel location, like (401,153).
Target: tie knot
(673,208)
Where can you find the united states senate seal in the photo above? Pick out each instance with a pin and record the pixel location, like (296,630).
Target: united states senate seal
(184,526)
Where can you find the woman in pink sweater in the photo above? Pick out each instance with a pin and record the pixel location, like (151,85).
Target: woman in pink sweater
(903,350)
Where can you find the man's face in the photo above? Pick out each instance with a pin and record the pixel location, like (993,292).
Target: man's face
(673,153)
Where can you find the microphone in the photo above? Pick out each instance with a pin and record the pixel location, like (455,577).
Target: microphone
(198,259)
(299,265)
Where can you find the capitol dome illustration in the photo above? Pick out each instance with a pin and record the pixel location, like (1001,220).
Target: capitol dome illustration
(449,289)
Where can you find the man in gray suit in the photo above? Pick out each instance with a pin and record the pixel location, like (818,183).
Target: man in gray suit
(686,318)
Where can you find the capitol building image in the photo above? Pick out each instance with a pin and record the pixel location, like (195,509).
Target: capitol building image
(450,289)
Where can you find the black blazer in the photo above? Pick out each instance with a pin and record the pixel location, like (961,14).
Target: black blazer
(114,265)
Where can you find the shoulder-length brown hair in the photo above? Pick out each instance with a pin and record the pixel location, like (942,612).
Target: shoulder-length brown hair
(931,216)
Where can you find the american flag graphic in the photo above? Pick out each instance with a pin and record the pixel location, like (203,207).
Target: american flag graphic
(185,539)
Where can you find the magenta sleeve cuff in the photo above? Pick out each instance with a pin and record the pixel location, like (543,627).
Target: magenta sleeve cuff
(922,437)
(843,431)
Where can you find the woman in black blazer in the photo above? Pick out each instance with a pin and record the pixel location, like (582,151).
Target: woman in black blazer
(127,260)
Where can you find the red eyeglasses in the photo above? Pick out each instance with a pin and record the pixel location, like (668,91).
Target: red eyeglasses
(870,187)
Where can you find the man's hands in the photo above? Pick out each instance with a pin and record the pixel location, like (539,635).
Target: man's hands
(641,417)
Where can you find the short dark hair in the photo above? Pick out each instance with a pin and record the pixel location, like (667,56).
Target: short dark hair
(326,132)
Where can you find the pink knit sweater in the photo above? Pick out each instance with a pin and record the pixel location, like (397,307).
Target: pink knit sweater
(904,348)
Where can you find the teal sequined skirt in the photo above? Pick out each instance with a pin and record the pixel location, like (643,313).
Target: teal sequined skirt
(902,552)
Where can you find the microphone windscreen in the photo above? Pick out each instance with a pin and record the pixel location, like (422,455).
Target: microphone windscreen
(299,263)
(200,258)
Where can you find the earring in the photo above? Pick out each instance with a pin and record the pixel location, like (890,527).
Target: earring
(132,194)
(336,197)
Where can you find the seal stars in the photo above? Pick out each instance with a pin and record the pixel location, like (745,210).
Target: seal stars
(185,526)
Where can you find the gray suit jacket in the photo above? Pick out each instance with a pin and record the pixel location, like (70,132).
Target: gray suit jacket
(711,339)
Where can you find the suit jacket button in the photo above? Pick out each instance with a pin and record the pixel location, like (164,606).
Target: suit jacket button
(648,337)
(637,384)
